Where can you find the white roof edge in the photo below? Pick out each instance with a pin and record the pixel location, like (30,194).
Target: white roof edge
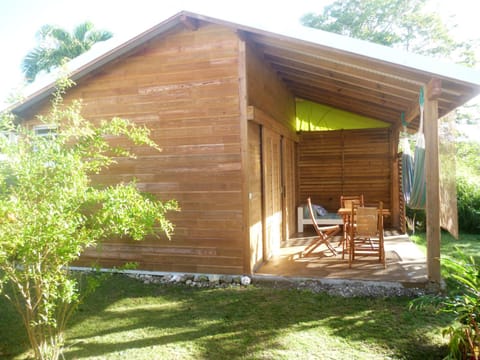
(104,52)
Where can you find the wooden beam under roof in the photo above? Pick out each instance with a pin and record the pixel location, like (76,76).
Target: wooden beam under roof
(352,91)
(336,66)
(361,64)
(310,70)
(434,89)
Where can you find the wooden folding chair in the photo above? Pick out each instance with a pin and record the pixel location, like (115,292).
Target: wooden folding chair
(324,234)
(366,233)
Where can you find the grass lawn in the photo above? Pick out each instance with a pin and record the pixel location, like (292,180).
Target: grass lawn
(467,243)
(126,319)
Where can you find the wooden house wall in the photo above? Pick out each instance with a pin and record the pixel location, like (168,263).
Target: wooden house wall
(274,110)
(349,162)
(255,195)
(266,91)
(184,87)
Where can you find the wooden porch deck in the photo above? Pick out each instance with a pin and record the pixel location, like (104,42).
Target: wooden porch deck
(406,264)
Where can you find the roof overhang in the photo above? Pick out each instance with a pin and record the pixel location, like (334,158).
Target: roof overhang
(349,74)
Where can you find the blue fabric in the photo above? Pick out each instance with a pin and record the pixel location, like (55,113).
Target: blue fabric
(317,210)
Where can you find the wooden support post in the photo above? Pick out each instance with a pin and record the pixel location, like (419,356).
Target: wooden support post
(432,91)
(242,110)
(395,178)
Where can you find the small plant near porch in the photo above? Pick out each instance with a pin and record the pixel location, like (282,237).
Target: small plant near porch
(50,213)
(463,301)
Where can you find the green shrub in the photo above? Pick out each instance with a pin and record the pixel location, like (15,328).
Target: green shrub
(463,301)
(416,220)
(50,212)
(468,197)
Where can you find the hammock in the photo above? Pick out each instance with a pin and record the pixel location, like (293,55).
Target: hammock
(407,169)
(413,182)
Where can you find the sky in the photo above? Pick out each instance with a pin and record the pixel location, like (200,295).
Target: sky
(20,20)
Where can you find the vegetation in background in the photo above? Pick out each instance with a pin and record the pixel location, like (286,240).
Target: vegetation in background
(50,213)
(396,23)
(468,195)
(468,155)
(57,45)
(468,185)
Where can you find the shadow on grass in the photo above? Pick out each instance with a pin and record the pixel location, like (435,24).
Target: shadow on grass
(242,323)
(239,323)
(13,340)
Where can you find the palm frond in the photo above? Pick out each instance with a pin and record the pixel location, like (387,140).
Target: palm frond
(61,35)
(80,31)
(57,45)
(35,61)
(99,35)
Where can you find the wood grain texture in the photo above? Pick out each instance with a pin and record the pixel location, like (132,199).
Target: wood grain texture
(255,195)
(348,162)
(184,87)
(267,92)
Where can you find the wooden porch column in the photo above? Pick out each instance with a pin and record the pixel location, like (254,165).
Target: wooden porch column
(432,207)
(242,110)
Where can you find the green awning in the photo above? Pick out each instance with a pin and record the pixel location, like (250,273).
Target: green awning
(317,117)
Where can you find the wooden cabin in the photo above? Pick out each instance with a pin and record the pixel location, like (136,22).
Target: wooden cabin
(220,99)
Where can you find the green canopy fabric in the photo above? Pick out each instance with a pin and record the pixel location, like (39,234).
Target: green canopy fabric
(312,116)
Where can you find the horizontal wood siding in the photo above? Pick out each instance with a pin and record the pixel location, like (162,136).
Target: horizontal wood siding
(255,195)
(289,192)
(273,107)
(268,93)
(349,162)
(184,87)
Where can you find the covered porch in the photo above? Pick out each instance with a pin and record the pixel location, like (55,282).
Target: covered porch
(406,264)
(368,80)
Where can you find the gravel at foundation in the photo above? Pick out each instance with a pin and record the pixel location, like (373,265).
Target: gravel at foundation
(333,287)
(347,288)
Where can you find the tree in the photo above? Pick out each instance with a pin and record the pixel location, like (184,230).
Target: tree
(56,45)
(50,212)
(395,23)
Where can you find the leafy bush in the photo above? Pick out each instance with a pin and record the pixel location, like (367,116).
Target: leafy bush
(50,212)
(416,219)
(463,302)
(468,198)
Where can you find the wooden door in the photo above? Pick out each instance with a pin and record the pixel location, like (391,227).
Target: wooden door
(272,190)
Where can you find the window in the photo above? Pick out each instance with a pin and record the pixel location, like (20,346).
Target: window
(45,130)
